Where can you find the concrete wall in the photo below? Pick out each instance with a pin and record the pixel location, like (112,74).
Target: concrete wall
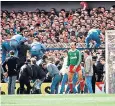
(32,5)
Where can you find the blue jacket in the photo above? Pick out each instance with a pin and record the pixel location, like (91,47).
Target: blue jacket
(94,34)
(37,49)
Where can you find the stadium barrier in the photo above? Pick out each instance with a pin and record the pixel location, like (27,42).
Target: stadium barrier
(62,46)
(45,88)
(67,45)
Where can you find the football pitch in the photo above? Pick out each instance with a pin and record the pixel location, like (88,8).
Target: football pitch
(58,100)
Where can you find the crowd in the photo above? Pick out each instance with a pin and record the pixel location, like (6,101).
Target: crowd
(53,27)
(60,27)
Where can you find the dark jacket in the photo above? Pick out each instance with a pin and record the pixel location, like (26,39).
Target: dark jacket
(26,72)
(22,52)
(38,72)
(99,68)
(11,62)
(94,69)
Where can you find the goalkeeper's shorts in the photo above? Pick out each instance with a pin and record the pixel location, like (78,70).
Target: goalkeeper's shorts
(71,68)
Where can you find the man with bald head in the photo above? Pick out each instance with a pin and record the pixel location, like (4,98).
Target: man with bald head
(73,64)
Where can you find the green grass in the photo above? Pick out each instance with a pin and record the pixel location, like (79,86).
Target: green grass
(58,100)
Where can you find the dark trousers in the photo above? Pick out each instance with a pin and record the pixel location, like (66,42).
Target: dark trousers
(27,83)
(93,83)
(99,77)
(18,68)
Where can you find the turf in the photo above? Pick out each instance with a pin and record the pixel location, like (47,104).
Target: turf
(58,100)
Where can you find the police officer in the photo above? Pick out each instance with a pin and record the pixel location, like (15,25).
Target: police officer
(25,75)
(22,53)
(39,75)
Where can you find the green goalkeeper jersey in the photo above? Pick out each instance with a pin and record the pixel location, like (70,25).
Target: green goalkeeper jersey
(74,57)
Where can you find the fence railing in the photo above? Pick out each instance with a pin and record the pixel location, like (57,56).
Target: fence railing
(67,45)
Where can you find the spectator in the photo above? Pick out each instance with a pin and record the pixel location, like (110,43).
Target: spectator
(84,5)
(37,49)
(88,70)
(54,72)
(11,62)
(42,60)
(94,34)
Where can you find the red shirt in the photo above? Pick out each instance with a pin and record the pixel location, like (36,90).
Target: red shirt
(70,17)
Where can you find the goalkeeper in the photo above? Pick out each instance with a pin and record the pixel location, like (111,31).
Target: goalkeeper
(73,64)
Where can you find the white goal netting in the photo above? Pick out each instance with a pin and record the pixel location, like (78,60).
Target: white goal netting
(110,61)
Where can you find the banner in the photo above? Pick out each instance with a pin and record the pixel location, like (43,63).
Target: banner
(99,87)
(45,88)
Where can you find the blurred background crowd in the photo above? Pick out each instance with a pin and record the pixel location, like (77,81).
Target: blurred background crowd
(57,26)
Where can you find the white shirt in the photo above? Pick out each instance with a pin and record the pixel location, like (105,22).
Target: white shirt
(64,70)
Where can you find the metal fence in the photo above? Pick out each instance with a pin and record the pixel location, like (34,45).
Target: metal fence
(67,45)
